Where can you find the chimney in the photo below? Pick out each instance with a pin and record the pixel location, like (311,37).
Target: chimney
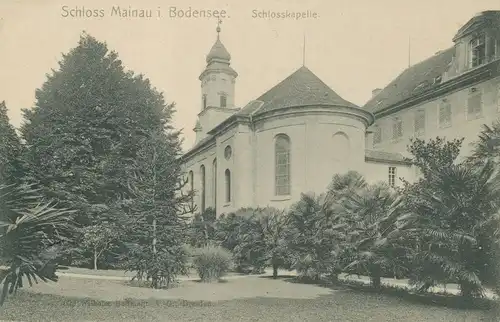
(376,91)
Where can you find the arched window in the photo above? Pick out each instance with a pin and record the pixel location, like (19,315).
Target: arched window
(282,165)
(227,176)
(214,176)
(191,181)
(202,188)
(341,146)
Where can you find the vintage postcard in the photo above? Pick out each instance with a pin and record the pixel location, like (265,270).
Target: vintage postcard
(318,160)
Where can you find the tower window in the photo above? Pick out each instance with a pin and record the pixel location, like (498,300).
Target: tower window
(204,98)
(223,101)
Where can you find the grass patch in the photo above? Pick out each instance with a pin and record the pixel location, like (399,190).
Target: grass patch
(405,293)
(286,303)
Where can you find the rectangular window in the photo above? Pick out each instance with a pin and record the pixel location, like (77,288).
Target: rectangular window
(392,176)
(419,122)
(444,114)
(474,104)
(397,128)
(478,51)
(223,101)
(498,98)
(377,135)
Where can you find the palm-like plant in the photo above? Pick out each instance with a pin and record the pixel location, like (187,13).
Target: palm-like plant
(451,214)
(263,238)
(29,231)
(374,246)
(487,147)
(314,235)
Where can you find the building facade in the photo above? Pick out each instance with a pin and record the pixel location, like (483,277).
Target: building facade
(296,136)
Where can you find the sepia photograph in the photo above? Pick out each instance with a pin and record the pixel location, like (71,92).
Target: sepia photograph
(279,160)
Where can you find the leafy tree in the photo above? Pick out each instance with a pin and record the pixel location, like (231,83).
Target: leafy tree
(29,231)
(98,239)
(434,154)
(10,150)
(157,228)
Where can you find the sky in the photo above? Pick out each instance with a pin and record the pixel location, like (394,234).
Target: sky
(354,46)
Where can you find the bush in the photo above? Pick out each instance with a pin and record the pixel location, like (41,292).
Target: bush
(212,262)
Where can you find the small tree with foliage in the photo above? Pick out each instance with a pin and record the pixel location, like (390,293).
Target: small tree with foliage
(156,222)
(99,239)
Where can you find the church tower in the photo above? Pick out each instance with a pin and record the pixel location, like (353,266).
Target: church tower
(217,89)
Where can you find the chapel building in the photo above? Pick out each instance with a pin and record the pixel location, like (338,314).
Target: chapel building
(293,138)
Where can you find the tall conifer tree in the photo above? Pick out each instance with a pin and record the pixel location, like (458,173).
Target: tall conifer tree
(85,129)
(10,149)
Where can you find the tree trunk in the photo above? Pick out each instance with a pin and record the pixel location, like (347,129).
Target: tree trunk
(95,259)
(275,270)
(154,278)
(466,289)
(334,278)
(375,278)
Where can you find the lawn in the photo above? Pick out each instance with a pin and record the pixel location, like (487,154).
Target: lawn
(242,299)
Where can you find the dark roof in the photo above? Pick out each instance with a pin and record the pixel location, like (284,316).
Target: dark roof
(302,88)
(384,156)
(218,51)
(199,144)
(485,19)
(412,81)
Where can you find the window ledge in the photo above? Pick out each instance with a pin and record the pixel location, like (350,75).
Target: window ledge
(281,198)
(474,117)
(445,126)
(226,204)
